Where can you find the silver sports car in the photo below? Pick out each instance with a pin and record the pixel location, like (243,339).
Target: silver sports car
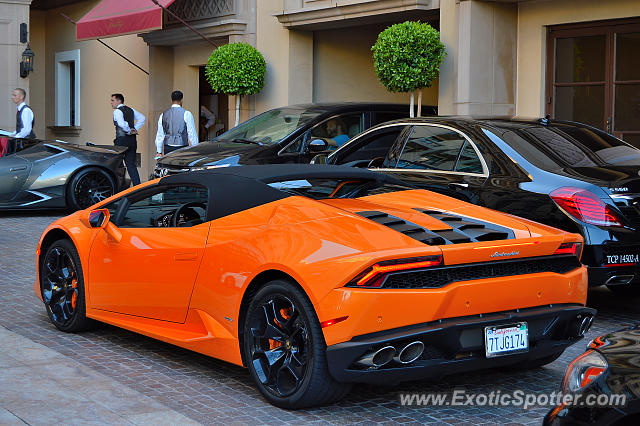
(48,174)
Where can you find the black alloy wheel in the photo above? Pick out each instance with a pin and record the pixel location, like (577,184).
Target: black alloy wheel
(89,187)
(62,287)
(285,351)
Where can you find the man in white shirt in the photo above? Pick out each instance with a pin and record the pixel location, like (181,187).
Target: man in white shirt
(24,120)
(128,122)
(176,127)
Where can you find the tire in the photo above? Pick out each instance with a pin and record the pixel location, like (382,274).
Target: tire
(298,375)
(62,287)
(88,187)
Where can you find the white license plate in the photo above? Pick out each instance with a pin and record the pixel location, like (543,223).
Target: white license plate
(621,259)
(506,339)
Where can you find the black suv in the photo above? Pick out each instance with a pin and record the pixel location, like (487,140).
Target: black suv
(292,134)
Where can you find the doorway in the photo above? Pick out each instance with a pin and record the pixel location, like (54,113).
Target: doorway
(593,76)
(214,110)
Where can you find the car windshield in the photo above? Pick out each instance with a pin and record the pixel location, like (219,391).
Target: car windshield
(270,127)
(572,146)
(335,188)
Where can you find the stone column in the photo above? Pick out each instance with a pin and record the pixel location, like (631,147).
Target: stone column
(12,14)
(478,76)
(160,79)
(289,56)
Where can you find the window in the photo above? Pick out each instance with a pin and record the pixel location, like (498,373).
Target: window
(469,161)
(372,145)
(67,74)
(337,130)
(593,75)
(271,127)
(431,148)
(158,206)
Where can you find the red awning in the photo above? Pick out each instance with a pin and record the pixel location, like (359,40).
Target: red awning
(116,17)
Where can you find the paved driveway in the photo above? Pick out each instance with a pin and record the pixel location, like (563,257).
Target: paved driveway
(211,391)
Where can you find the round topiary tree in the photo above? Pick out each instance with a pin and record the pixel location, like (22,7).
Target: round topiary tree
(407,57)
(236,69)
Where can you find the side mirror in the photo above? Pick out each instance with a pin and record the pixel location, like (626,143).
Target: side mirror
(98,218)
(318,145)
(375,163)
(319,159)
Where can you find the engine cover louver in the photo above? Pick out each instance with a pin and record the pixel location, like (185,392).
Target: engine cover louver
(464,230)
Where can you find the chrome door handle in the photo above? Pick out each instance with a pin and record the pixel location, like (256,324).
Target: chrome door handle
(17,169)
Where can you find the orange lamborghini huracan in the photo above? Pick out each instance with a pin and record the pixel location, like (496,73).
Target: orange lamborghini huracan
(316,277)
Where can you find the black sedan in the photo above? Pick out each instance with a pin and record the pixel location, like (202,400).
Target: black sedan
(292,134)
(55,174)
(567,175)
(602,386)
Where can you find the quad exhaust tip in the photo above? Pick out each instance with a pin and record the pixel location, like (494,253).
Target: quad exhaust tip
(409,353)
(585,325)
(620,280)
(378,358)
(402,355)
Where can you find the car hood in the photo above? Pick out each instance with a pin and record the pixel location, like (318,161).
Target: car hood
(208,153)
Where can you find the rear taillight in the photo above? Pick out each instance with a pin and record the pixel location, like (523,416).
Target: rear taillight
(570,248)
(374,276)
(585,206)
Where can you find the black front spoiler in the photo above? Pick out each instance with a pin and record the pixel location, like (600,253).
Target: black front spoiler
(456,345)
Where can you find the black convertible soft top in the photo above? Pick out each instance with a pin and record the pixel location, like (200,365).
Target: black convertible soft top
(235,189)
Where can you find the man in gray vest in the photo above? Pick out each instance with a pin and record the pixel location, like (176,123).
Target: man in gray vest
(176,127)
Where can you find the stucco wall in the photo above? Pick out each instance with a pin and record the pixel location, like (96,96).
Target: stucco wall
(12,14)
(343,68)
(102,73)
(533,17)
(37,28)
(272,41)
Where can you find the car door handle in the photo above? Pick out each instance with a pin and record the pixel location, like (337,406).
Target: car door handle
(464,185)
(188,255)
(17,169)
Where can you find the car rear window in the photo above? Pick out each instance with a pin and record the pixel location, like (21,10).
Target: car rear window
(563,145)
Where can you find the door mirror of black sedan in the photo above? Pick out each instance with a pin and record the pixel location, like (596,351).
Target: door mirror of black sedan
(375,163)
(319,159)
(318,145)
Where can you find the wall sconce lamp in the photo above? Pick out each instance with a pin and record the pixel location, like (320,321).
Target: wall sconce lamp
(26,65)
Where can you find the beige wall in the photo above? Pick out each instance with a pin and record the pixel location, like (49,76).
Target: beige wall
(289,57)
(321,66)
(37,78)
(12,14)
(343,68)
(102,73)
(533,17)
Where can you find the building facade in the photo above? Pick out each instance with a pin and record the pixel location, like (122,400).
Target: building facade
(572,59)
